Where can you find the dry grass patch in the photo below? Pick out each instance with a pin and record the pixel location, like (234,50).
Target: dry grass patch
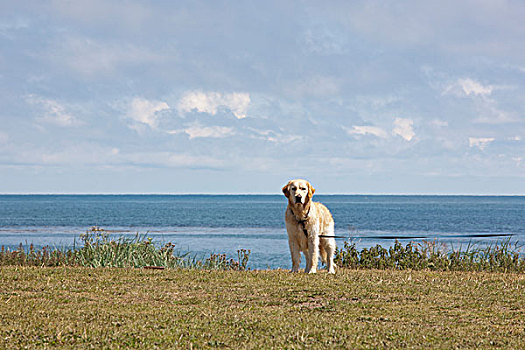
(73,307)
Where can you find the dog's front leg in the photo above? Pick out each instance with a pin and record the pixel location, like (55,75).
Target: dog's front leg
(312,259)
(296,255)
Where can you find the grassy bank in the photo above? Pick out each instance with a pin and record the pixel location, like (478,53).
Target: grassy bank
(76,307)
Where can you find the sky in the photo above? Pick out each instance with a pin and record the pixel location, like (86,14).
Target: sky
(359,97)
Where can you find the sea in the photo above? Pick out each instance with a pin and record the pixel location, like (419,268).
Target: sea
(200,225)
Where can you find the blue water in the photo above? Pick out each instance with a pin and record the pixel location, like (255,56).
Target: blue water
(202,224)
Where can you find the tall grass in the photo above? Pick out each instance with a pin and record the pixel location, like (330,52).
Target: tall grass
(36,257)
(101,250)
(499,257)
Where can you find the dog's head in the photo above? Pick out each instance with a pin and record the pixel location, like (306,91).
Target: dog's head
(298,191)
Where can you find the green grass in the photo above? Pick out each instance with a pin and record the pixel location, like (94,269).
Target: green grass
(79,307)
(501,256)
(413,296)
(102,250)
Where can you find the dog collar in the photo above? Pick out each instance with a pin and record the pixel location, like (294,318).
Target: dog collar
(301,220)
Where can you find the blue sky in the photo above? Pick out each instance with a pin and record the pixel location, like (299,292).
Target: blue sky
(240,96)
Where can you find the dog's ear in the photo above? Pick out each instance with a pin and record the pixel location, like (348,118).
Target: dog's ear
(286,189)
(311,190)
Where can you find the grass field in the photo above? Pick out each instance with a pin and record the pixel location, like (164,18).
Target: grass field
(78,307)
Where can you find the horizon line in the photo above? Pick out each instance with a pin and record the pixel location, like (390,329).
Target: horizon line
(247,194)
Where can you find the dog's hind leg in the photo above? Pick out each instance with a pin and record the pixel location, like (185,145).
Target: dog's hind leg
(328,247)
(322,252)
(330,251)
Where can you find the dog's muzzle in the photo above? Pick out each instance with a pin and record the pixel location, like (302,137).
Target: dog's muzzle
(298,199)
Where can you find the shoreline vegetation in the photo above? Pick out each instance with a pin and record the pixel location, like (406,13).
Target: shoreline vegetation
(149,296)
(100,249)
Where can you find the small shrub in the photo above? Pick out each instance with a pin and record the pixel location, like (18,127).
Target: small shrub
(32,257)
(221,261)
(433,255)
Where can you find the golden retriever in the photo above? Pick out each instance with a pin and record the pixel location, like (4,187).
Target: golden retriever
(305,222)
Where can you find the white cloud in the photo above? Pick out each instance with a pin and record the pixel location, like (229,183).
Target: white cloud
(196,130)
(468,87)
(487,106)
(208,131)
(209,102)
(146,111)
(480,142)
(272,136)
(403,127)
(367,130)
(471,87)
(54,112)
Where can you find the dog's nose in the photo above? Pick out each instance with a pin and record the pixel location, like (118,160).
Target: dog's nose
(298,199)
